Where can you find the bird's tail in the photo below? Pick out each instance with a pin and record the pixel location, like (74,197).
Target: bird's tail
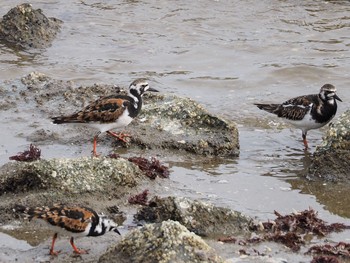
(267,107)
(30,212)
(65,119)
(58,120)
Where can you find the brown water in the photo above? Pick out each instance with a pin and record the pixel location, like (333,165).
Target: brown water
(224,54)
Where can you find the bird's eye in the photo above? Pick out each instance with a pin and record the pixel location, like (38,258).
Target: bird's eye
(144,86)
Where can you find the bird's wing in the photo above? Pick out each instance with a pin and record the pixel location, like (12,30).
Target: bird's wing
(103,110)
(71,218)
(296,108)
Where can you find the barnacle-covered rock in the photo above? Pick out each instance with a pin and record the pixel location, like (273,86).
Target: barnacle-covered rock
(166,121)
(181,123)
(28,28)
(164,242)
(75,176)
(332,158)
(199,217)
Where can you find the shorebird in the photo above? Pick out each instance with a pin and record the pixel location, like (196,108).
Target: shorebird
(76,221)
(307,112)
(111,112)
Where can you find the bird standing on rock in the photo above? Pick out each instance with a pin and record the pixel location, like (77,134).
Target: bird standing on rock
(111,112)
(307,112)
(76,221)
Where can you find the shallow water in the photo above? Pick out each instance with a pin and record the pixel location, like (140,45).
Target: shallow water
(224,54)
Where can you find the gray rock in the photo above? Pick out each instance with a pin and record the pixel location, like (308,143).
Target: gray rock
(166,121)
(331,160)
(75,176)
(183,124)
(28,28)
(164,242)
(201,218)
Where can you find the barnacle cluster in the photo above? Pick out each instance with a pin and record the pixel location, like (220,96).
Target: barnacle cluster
(338,135)
(160,243)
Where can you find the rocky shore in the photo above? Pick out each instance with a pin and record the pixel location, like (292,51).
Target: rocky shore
(165,228)
(167,123)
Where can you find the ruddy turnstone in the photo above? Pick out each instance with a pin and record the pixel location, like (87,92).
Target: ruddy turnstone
(111,112)
(76,221)
(307,112)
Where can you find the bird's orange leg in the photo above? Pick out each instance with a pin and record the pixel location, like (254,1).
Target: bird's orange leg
(94,153)
(120,136)
(52,252)
(305,141)
(76,250)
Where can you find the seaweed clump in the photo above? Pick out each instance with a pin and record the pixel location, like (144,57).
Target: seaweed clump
(341,249)
(325,259)
(141,199)
(151,168)
(302,222)
(33,154)
(291,230)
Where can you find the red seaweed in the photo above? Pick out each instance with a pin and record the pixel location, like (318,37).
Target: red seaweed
(141,199)
(152,168)
(30,155)
(291,229)
(341,249)
(325,259)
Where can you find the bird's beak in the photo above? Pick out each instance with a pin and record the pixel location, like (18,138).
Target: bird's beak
(152,89)
(337,98)
(116,230)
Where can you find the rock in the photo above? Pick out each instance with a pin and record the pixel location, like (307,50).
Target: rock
(166,121)
(331,160)
(168,241)
(28,28)
(35,78)
(74,176)
(201,218)
(183,124)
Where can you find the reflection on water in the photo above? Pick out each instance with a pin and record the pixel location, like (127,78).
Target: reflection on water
(224,54)
(333,196)
(213,166)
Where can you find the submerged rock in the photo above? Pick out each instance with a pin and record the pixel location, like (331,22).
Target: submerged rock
(75,176)
(201,218)
(28,28)
(332,158)
(168,241)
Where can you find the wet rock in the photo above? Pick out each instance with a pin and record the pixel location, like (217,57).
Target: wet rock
(168,241)
(28,28)
(183,124)
(201,218)
(75,176)
(35,78)
(331,160)
(166,121)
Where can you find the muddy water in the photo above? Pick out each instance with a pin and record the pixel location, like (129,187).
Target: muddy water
(224,54)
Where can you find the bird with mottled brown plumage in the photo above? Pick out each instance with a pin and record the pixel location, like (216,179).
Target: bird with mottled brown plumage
(74,220)
(111,112)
